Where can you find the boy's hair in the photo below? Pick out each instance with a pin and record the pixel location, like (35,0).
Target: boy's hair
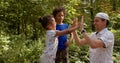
(57,10)
(45,20)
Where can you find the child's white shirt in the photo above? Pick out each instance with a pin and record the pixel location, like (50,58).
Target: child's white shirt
(51,44)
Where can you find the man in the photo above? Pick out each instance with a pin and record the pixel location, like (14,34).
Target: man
(63,43)
(101,42)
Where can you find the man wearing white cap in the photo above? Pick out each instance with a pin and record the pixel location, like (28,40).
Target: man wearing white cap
(101,42)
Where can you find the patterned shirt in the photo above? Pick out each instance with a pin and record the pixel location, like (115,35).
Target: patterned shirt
(103,54)
(51,44)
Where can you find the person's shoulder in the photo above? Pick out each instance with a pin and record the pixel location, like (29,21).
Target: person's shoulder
(64,24)
(51,32)
(109,33)
(93,33)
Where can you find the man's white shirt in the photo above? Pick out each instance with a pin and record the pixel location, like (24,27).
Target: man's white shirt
(103,54)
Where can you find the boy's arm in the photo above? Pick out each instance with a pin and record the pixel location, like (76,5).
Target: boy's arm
(70,40)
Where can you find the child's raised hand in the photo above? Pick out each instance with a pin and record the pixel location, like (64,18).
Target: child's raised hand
(75,22)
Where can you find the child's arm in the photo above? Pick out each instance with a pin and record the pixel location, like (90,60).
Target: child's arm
(69,30)
(70,40)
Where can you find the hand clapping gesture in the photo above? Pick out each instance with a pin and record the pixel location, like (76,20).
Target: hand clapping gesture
(75,22)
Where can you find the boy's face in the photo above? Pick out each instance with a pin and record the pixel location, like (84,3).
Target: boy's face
(60,16)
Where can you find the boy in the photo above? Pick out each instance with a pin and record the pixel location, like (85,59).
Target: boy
(62,52)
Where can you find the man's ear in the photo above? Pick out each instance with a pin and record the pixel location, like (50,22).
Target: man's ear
(105,22)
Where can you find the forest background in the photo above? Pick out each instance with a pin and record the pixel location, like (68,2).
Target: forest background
(22,37)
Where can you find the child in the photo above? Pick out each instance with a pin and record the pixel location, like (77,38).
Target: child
(62,51)
(49,53)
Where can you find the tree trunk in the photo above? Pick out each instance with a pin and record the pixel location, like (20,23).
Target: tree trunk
(92,14)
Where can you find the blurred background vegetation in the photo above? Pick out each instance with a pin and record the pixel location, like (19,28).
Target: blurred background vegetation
(22,38)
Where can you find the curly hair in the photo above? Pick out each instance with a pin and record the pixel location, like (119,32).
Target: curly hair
(57,10)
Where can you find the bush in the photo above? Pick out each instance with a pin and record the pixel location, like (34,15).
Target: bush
(18,49)
(116,51)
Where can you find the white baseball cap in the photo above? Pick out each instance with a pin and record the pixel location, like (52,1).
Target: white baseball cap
(102,15)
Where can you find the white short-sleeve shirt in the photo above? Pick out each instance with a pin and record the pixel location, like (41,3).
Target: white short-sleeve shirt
(51,44)
(103,54)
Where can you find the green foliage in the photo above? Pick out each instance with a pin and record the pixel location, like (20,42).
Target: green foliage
(22,37)
(18,49)
(116,54)
(78,54)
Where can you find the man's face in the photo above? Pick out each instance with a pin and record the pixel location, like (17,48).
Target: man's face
(98,23)
(60,16)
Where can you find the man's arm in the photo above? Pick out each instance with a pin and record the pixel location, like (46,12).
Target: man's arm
(78,40)
(94,43)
